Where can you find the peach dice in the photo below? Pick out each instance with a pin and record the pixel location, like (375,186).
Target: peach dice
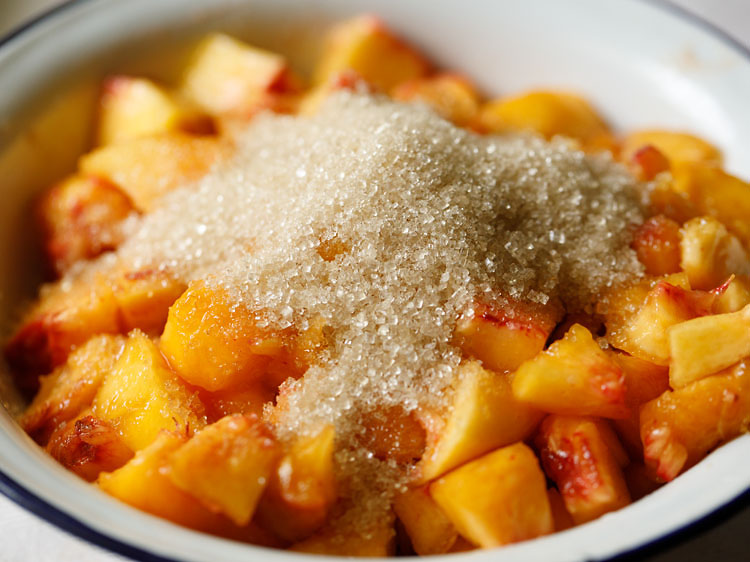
(428,527)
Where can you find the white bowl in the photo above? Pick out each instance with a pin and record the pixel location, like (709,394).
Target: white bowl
(641,63)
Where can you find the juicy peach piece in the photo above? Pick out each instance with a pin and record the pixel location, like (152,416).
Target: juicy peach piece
(377,542)
(497,499)
(644,381)
(733,295)
(573,376)
(88,446)
(132,107)
(362,44)
(503,337)
(709,254)
(227,76)
(679,427)
(576,456)
(80,219)
(147,168)
(247,399)
(301,489)
(677,147)
(226,466)
(141,396)
(450,95)
(657,244)
(662,199)
(143,483)
(484,416)
(714,192)
(706,345)
(547,113)
(560,514)
(391,433)
(429,529)
(648,162)
(205,318)
(71,388)
(143,299)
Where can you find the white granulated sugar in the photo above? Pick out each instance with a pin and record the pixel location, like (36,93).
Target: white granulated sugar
(431,218)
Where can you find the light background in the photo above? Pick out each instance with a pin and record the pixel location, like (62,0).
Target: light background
(726,537)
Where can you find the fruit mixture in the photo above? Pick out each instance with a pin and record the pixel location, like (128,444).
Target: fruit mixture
(373,313)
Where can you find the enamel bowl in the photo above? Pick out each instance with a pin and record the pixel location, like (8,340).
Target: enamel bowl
(643,65)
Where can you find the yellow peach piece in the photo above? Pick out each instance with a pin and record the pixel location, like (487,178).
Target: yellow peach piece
(450,95)
(573,376)
(376,542)
(429,529)
(677,147)
(497,499)
(484,415)
(141,396)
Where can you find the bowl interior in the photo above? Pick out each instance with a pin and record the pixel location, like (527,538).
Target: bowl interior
(641,65)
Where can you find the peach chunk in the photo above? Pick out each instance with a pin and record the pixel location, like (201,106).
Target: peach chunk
(709,254)
(141,396)
(573,376)
(714,192)
(80,219)
(71,388)
(88,446)
(247,399)
(226,466)
(733,295)
(497,499)
(679,427)
(450,95)
(377,542)
(143,483)
(647,163)
(657,244)
(302,488)
(392,434)
(644,381)
(132,107)
(147,168)
(428,527)
(364,45)
(227,76)
(484,415)
(504,336)
(706,345)
(560,514)
(549,114)
(214,343)
(576,456)
(677,147)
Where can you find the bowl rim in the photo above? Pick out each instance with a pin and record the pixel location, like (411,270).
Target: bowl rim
(33,503)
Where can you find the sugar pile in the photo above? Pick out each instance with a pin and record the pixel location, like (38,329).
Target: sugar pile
(389,222)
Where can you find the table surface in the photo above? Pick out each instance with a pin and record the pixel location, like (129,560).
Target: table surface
(724,536)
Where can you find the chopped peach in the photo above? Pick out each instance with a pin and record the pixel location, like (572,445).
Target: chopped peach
(644,381)
(657,244)
(247,399)
(143,299)
(362,44)
(575,455)
(226,466)
(497,499)
(503,337)
(682,425)
(677,147)
(450,95)
(648,162)
(393,434)
(227,76)
(141,396)
(376,542)
(429,529)
(81,218)
(547,113)
(88,446)
(662,199)
(132,107)
(560,514)
(206,318)
(484,415)
(71,388)
(710,254)
(147,168)
(706,345)
(733,295)
(302,489)
(573,376)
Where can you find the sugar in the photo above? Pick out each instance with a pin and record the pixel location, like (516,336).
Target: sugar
(421,218)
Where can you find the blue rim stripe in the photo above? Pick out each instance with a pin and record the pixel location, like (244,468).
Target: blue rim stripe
(43,509)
